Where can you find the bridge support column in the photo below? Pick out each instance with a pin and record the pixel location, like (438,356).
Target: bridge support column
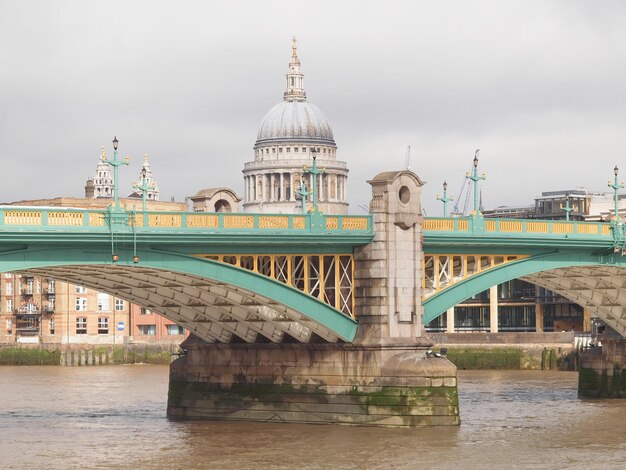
(384,378)
(538,318)
(602,370)
(586,320)
(450,320)
(493,309)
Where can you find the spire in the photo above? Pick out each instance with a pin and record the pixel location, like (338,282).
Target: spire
(145,177)
(295,79)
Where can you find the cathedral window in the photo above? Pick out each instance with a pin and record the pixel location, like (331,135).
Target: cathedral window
(280,150)
(303,149)
(273,150)
(295,150)
(288,149)
(324,150)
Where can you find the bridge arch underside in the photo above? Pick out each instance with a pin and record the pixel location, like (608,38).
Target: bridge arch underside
(215,301)
(596,282)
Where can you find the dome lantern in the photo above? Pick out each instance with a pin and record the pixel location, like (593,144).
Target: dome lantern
(295,78)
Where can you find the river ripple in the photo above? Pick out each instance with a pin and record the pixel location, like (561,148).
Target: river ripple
(114,417)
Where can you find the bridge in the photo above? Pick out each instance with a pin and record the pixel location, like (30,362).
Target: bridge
(313,317)
(224,277)
(581,261)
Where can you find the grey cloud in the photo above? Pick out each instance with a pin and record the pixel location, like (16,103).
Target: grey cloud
(536,85)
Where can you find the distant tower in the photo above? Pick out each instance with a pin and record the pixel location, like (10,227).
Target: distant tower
(100,185)
(153,192)
(290,134)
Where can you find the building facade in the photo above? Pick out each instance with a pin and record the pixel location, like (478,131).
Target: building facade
(290,136)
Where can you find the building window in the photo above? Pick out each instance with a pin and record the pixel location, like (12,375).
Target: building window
(103,326)
(145,311)
(295,149)
(9,326)
(81,325)
(81,304)
(175,330)
(9,305)
(81,289)
(303,149)
(119,304)
(51,325)
(9,288)
(288,149)
(103,302)
(273,149)
(149,330)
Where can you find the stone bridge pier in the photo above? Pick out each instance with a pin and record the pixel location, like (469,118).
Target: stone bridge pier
(382,378)
(602,371)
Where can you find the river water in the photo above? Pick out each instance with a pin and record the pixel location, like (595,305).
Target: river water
(114,417)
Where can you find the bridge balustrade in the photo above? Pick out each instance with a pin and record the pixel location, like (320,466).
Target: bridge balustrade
(27,217)
(515,226)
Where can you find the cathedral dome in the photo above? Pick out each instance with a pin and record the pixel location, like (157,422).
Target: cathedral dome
(295,120)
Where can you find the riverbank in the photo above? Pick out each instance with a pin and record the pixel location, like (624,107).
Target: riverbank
(510,351)
(86,355)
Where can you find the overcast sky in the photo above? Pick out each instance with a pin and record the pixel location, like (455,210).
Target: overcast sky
(538,86)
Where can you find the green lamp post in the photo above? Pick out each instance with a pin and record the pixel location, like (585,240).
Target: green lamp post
(143,187)
(475,178)
(445,199)
(115,164)
(314,171)
(567,208)
(303,193)
(616,187)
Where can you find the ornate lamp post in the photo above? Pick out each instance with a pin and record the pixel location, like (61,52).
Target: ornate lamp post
(303,193)
(616,187)
(445,199)
(475,178)
(314,171)
(567,207)
(143,187)
(115,163)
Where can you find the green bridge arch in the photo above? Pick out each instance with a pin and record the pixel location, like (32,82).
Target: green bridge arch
(601,298)
(216,301)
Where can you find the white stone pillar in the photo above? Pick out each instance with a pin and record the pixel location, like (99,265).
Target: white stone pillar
(328,193)
(272,190)
(493,309)
(256,187)
(263,188)
(281,196)
(450,320)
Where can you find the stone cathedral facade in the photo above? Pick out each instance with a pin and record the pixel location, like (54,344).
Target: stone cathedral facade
(291,134)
